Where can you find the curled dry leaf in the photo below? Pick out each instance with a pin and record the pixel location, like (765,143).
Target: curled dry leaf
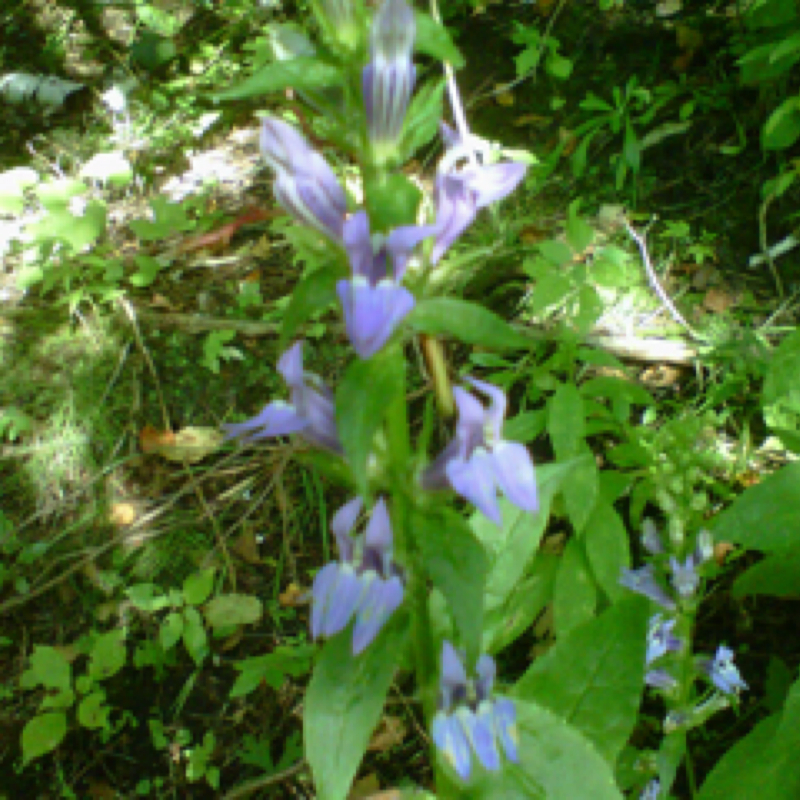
(188,445)
(721,551)
(293,596)
(390,733)
(246,547)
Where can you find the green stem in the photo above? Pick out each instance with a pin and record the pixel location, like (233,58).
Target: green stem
(417,589)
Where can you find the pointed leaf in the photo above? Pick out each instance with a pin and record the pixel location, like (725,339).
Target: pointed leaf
(343,705)
(466,321)
(575,596)
(456,563)
(363,395)
(299,73)
(607,548)
(314,293)
(594,678)
(42,734)
(767,515)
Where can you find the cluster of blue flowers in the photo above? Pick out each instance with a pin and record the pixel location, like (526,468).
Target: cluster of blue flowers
(365,586)
(663,645)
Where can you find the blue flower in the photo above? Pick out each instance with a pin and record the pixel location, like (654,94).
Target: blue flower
(365,583)
(685,578)
(460,191)
(373,300)
(652,791)
(305,185)
(723,672)
(311,413)
(388,79)
(643,581)
(469,719)
(478,461)
(660,639)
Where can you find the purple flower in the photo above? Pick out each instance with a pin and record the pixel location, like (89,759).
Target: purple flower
(388,79)
(652,791)
(660,679)
(305,185)
(685,577)
(723,672)
(311,412)
(478,460)
(373,300)
(460,192)
(643,581)
(651,538)
(365,583)
(469,719)
(660,639)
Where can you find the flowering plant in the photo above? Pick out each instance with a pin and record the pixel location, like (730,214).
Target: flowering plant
(423,586)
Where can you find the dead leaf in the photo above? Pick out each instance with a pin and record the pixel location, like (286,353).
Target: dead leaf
(721,551)
(188,445)
(246,547)
(718,300)
(151,440)
(504,98)
(569,140)
(389,734)
(661,376)
(533,120)
(532,234)
(232,640)
(122,514)
(364,787)
(220,238)
(293,596)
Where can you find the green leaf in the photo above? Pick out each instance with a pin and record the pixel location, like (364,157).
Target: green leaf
(343,705)
(466,321)
(434,40)
(575,596)
(232,609)
(42,734)
(77,232)
(48,668)
(555,763)
(581,491)
(579,233)
(148,267)
(93,712)
(594,677)
(147,597)
(607,548)
(559,254)
(362,398)
(300,73)
(782,129)
(550,290)
(272,668)
(198,586)
(13,183)
(62,699)
(422,117)
(171,630)
(764,763)
(778,575)
(558,66)
(313,293)
(56,194)
(766,516)
(108,655)
(565,421)
(194,635)
(456,563)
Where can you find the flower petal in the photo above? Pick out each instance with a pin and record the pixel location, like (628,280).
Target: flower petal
(371,313)
(343,599)
(324,581)
(380,600)
(452,743)
(378,538)
(493,182)
(513,470)
(276,419)
(479,727)
(643,581)
(283,147)
(486,670)
(401,242)
(456,210)
(474,480)
(342,524)
(505,723)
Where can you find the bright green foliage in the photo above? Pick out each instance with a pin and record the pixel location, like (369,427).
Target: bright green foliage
(592,678)
(343,705)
